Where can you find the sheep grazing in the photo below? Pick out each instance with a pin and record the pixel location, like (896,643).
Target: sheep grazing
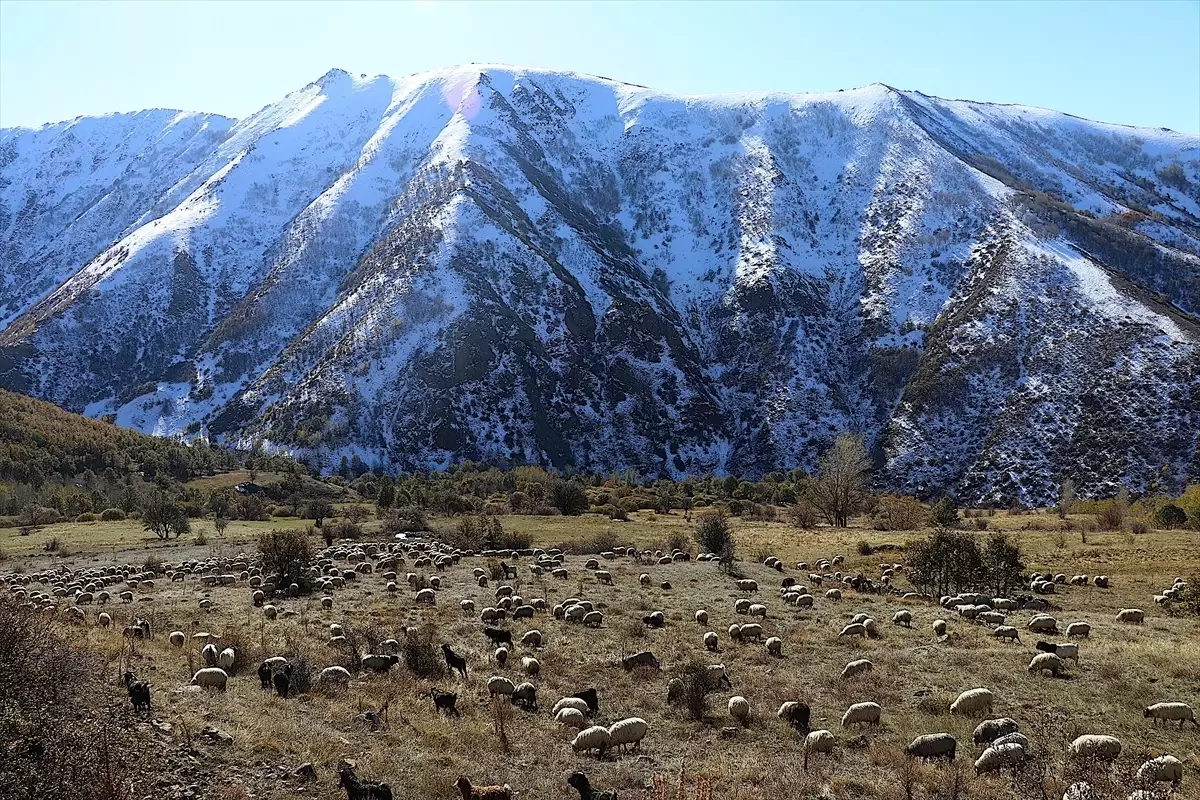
(702,617)
(711,642)
(902,617)
(570,702)
(361,790)
(498,684)
(1096,747)
(655,619)
(470,792)
(209,654)
(379,663)
(454,661)
(627,732)
(501,655)
(854,629)
(939,628)
(933,745)
(821,741)
(177,638)
(795,714)
(972,702)
(139,693)
(593,738)
(444,702)
(1131,616)
(580,783)
(531,638)
(998,757)
(990,730)
(525,696)
(282,681)
(642,659)
(856,668)
(862,714)
(1078,629)
(739,709)
(1164,769)
(752,631)
(571,718)
(594,619)
(775,647)
(1170,712)
(1046,662)
(590,698)
(211,678)
(334,676)
(1007,632)
(1043,623)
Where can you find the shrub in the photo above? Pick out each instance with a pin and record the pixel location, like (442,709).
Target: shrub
(1111,517)
(760,512)
(518,501)
(593,544)
(153,563)
(946,562)
(164,516)
(1170,517)
(419,655)
(112,515)
(201,538)
(736,507)
(86,516)
(615,513)
(1139,528)
(864,548)
(677,541)
(345,529)
(694,697)
(407,519)
(714,534)
(899,513)
(802,515)
(546,511)
(288,554)
(568,497)
(944,513)
(51,545)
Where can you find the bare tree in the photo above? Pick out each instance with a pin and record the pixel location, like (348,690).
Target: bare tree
(1066,497)
(840,486)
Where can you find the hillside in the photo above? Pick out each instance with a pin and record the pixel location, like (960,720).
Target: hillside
(522,266)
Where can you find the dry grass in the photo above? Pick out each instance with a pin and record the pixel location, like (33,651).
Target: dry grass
(420,753)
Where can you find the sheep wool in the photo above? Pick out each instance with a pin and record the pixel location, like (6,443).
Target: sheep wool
(933,745)
(498,684)
(996,757)
(862,713)
(211,678)
(775,646)
(992,729)
(226,658)
(571,718)
(973,701)
(858,667)
(1170,712)
(1096,746)
(626,732)
(739,709)
(1046,662)
(593,738)
(821,741)
(1165,769)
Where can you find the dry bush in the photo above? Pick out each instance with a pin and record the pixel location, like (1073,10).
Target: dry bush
(592,544)
(420,656)
(1111,517)
(899,513)
(60,723)
(802,515)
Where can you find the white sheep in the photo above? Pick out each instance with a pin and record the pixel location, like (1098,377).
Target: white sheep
(854,629)
(711,641)
(933,745)
(530,665)
(741,606)
(858,667)
(775,647)
(862,713)
(593,619)
(747,585)
(1092,746)
(1131,616)
(739,709)
(177,638)
(426,596)
(1043,623)
(209,654)
(336,676)
(994,758)
(1165,769)
(752,631)
(992,729)
(467,606)
(702,617)
(211,678)
(972,702)
(626,732)
(758,610)
(821,741)
(939,627)
(902,617)
(1044,662)
(570,702)
(1078,629)
(593,738)
(226,658)
(1012,738)
(498,684)
(832,594)
(532,638)
(1170,712)
(1007,632)
(571,718)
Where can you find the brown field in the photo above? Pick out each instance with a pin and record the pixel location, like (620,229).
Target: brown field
(419,753)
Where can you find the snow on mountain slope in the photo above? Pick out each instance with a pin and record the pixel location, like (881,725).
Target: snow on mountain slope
(528,266)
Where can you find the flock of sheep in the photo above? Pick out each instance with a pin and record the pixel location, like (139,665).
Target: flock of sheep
(68,593)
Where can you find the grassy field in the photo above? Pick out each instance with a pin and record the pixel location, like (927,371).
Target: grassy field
(915,677)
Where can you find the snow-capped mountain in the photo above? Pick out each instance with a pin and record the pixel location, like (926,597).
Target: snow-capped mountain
(526,266)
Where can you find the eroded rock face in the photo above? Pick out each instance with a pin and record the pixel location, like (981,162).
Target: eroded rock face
(501,264)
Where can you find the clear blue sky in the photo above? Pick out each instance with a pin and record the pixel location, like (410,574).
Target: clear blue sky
(1136,63)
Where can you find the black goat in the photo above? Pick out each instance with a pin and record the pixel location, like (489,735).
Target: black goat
(590,697)
(139,693)
(264,676)
(509,572)
(283,681)
(1047,647)
(498,635)
(444,701)
(362,790)
(580,783)
(454,661)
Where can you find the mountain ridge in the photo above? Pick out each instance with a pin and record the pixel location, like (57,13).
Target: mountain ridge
(524,265)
